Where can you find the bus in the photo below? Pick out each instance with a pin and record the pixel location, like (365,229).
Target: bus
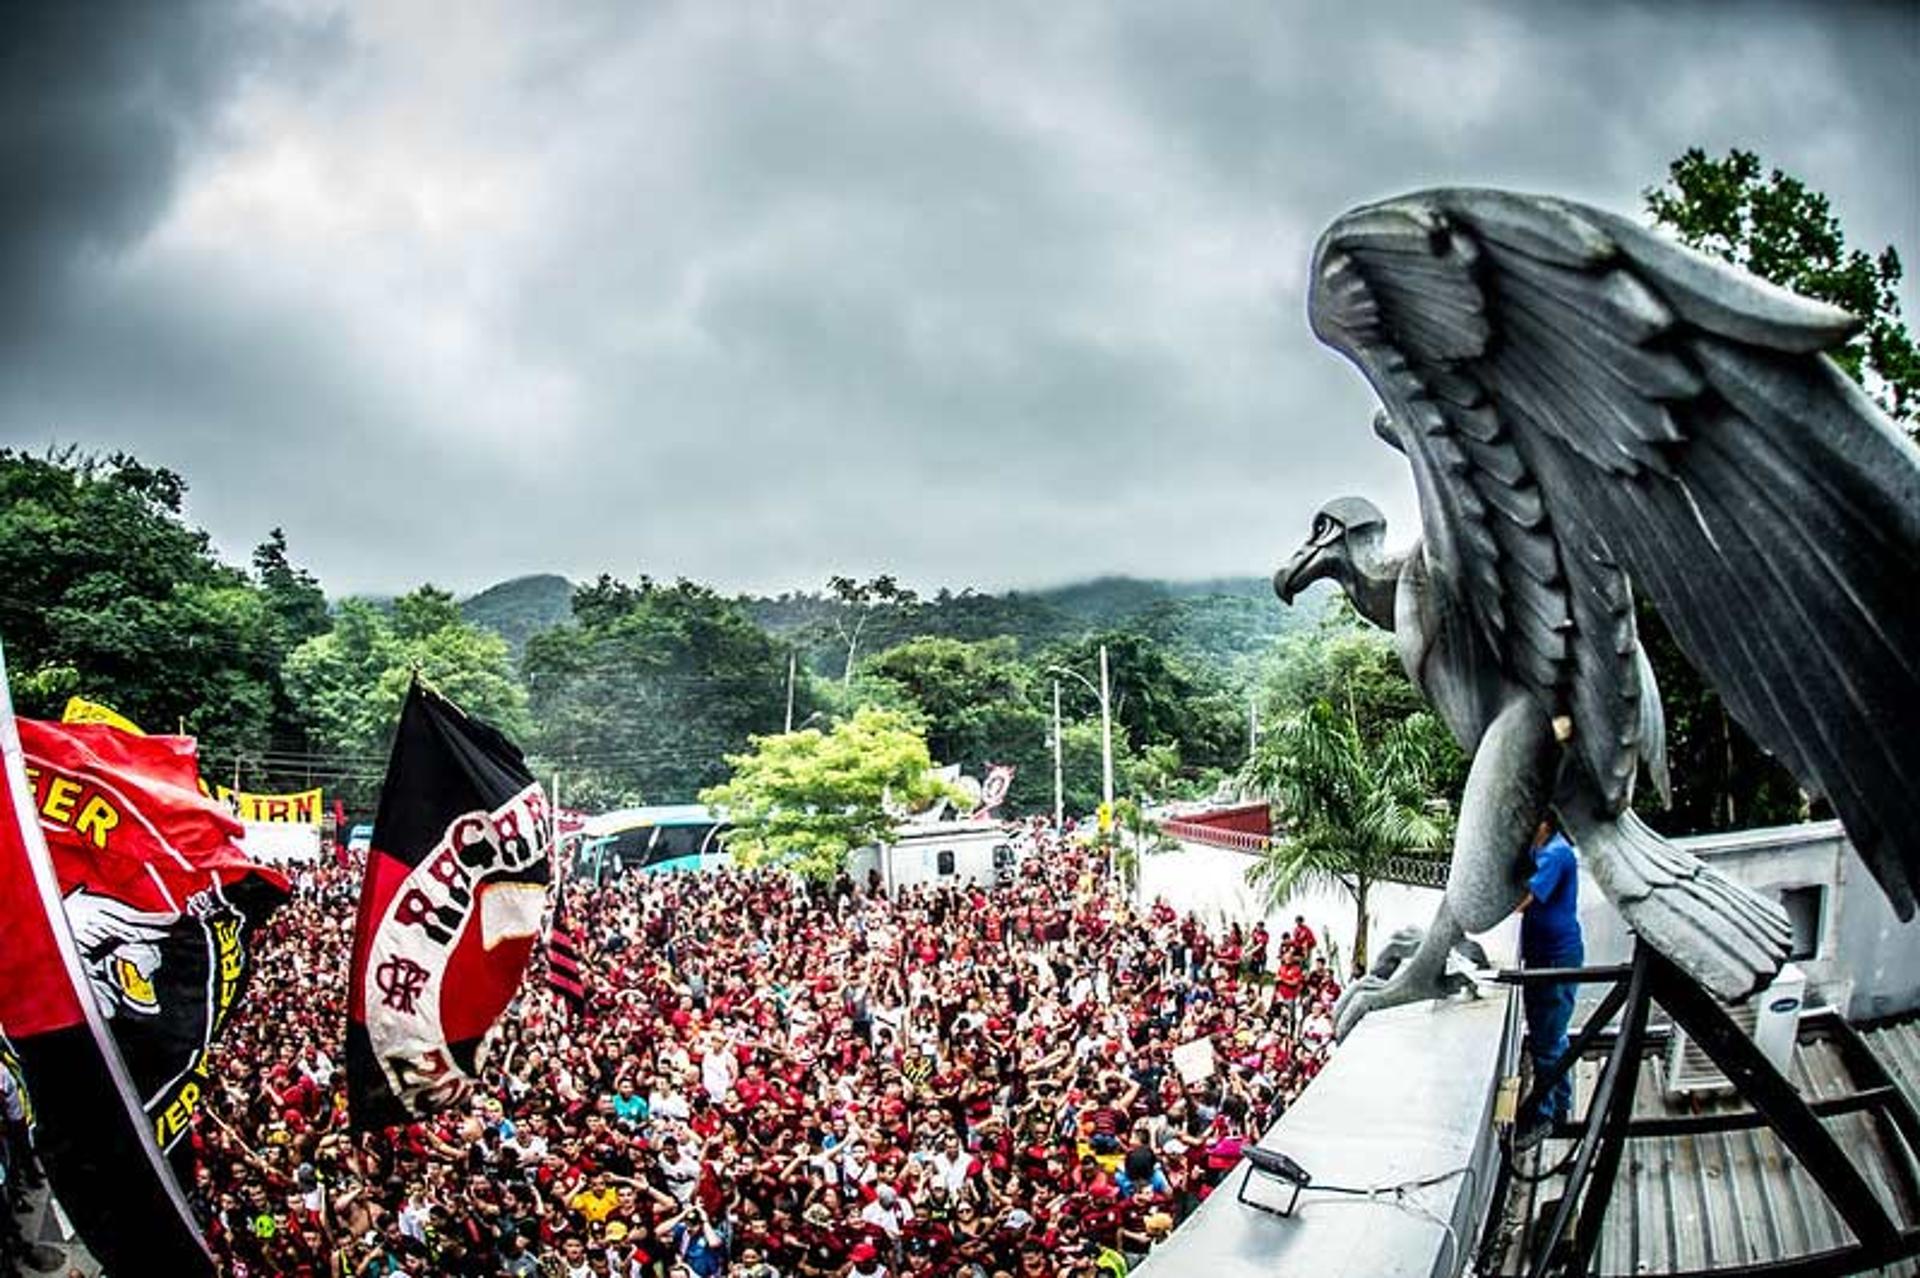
(662,838)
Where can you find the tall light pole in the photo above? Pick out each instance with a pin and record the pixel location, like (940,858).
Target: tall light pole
(1059,792)
(1106,737)
(793,661)
(1104,692)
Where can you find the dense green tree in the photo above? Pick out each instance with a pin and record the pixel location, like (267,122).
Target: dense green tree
(804,800)
(1782,230)
(1774,225)
(1347,802)
(1156,774)
(1227,634)
(1158,699)
(292,594)
(980,706)
(1080,768)
(983,705)
(111,594)
(952,683)
(1343,659)
(297,611)
(425,611)
(650,687)
(348,683)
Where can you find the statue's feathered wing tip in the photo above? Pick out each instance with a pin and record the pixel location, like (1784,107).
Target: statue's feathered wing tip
(1719,933)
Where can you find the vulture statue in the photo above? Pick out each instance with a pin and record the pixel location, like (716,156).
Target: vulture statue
(1591,410)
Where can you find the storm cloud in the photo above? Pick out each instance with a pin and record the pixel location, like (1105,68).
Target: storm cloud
(754,293)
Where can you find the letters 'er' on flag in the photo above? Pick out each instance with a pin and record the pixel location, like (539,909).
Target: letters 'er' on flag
(449,911)
(161,900)
(94,991)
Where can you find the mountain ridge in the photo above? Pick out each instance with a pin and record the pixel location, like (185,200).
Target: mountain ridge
(1219,619)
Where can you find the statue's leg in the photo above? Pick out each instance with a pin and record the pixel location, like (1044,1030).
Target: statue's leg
(1508,788)
(1418,976)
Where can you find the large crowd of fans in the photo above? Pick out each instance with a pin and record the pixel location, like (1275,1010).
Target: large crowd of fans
(771,1079)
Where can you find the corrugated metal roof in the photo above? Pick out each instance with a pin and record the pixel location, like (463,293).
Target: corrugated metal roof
(1698,1202)
(1897,1046)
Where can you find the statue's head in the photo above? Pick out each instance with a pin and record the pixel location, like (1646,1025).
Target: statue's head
(1345,529)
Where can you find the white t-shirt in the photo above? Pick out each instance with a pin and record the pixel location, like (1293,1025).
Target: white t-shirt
(951,1172)
(718,1068)
(669,1105)
(682,1175)
(887,1219)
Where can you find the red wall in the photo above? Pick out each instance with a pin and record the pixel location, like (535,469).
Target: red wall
(1248,818)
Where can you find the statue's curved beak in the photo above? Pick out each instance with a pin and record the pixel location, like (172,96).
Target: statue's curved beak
(1307,566)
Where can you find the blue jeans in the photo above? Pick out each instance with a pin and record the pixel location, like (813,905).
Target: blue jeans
(1549,1010)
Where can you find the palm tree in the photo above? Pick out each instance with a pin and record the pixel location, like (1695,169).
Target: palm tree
(1347,805)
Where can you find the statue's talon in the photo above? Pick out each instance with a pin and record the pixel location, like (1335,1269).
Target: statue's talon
(1372,994)
(1354,1004)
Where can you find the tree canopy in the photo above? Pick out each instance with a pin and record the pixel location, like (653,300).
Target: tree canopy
(1775,225)
(348,684)
(644,694)
(112,595)
(805,800)
(1781,229)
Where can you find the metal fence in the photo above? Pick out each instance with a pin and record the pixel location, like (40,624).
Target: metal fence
(1417,871)
(1214,837)
(1427,871)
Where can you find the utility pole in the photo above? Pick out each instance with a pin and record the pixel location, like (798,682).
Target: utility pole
(792,661)
(1104,691)
(1106,737)
(1253,722)
(1059,793)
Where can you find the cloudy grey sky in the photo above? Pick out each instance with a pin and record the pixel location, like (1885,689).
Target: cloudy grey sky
(980,294)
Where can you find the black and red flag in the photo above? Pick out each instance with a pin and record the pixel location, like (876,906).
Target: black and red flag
(450,908)
(129,910)
(563,960)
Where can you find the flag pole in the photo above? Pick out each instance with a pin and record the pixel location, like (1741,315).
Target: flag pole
(559,859)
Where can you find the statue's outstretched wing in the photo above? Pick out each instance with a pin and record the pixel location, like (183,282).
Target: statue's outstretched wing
(1584,402)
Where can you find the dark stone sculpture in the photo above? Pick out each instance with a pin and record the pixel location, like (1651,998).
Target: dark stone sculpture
(1590,409)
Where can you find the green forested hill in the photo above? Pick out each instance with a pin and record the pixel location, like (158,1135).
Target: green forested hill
(518,609)
(1219,622)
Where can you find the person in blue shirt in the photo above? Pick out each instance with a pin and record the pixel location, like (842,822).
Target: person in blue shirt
(1550,937)
(630,1109)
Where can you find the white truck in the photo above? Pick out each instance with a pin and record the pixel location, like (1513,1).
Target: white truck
(939,852)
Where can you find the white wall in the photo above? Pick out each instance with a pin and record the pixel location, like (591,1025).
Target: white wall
(1867,963)
(1211,882)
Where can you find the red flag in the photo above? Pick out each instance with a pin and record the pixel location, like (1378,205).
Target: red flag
(161,900)
(88,996)
(124,815)
(449,911)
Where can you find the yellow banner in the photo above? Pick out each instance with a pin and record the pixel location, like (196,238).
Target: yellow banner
(303,808)
(81,710)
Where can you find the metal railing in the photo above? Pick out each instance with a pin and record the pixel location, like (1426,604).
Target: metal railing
(1417,871)
(1414,871)
(1566,1245)
(1214,837)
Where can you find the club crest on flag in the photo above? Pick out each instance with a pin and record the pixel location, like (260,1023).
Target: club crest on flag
(474,875)
(450,909)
